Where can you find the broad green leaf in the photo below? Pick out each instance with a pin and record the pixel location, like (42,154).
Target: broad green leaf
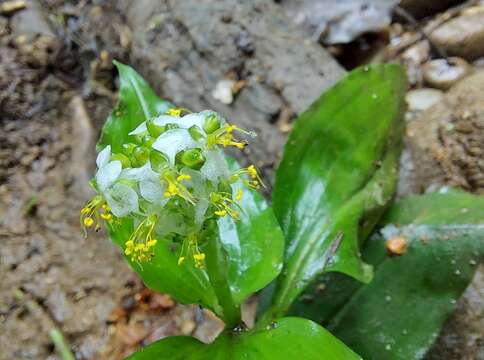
(329,176)
(401,311)
(137,103)
(287,338)
(186,284)
(254,245)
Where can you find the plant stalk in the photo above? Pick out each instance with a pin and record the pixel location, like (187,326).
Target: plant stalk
(217,269)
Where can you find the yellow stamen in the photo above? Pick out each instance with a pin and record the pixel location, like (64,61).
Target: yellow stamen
(183,177)
(252,171)
(181,259)
(220,213)
(239,194)
(141,242)
(89,221)
(175,112)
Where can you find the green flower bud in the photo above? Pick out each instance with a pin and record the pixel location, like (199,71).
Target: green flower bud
(158,161)
(211,124)
(129,148)
(138,138)
(148,141)
(193,158)
(125,162)
(153,129)
(196,133)
(140,156)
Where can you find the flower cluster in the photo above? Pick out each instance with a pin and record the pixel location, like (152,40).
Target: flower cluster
(170,179)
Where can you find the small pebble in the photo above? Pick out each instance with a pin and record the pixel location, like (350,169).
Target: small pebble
(442,74)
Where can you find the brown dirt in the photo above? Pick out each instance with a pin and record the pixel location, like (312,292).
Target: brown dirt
(57,86)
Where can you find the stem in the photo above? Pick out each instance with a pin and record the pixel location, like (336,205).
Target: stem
(217,269)
(61,345)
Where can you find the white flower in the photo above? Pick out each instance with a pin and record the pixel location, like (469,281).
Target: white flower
(121,198)
(173,141)
(150,186)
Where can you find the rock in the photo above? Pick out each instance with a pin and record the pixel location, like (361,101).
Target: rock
(462,36)
(442,73)
(420,9)
(223,91)
(339,22)
(418,53)
(447,140)
(33,36)
(9,7)
(185,47)
(422,99)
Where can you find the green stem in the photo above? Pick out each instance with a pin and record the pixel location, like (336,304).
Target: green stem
(217,269)
(61,344)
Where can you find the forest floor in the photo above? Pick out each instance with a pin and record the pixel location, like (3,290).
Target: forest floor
(57,86)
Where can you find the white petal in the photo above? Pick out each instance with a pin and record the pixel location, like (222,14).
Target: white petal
(189,120)
(166,119)
(215,166)
(122,200)
(142,173)
(152,190)
(200,209)
(173,141)
(108,174)
(140,129)
(103,157)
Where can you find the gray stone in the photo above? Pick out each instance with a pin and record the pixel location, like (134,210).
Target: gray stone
(462,36)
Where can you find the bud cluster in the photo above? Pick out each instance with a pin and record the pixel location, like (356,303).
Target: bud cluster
(170,179)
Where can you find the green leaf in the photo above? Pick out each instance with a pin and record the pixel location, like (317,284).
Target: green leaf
(287,338)
(401,311)
(329,176)
(137,103)
(254,245)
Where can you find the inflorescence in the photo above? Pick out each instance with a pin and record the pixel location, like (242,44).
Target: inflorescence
(170,179)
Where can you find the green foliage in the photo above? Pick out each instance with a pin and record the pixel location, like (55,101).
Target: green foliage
(336,179)
(330,177)
(137,103)
(286,338)
(252,246)
(402,310)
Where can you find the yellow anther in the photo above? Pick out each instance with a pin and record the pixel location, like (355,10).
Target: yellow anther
(199,256)
(183,177)
(230,128)
(151,243)
(172,190)
(89,221)
(181,259)
(252,171)
(107,216)
(141,242)
(239,194)
(220,213)
(174,112)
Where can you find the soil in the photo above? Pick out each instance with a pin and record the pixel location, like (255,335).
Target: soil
(57,86)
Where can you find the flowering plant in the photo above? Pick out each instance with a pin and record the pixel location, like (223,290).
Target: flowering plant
(192,224)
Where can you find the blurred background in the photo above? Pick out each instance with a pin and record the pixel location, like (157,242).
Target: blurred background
(259,63)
